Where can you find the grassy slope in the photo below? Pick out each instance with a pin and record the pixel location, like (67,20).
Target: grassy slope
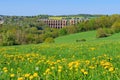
(93,50)
(90,36)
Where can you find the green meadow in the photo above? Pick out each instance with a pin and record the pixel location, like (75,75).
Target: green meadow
(66,59)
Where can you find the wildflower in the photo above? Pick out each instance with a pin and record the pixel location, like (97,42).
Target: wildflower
(20,78)
(87,62)
(12,75)
(47,71)
(91,67)
(6,71)
(60,67)
(111,69)
(59,70)
(35,75)
(92,49)
(58,61)
(84,71)
(31,77)
(4,68)
(27,75)
(52,67)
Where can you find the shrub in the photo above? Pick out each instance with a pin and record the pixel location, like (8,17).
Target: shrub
(62,32)
(81,40)
(108,30)
(8,39)
(101,33)
(116,27)
(49,40)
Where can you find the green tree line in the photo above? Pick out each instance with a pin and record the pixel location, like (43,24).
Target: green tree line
(27,30)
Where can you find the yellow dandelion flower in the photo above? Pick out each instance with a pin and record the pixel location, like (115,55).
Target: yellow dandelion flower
(4,68)
(6,71)
(20,78)
(91,67)
(85,73)
(59,70)
(60,67)
(52,67)
(12,75)
(47,70)
(58,61)
(26,75)
(92,49)
(111,69)
(87,62)
(31,77)
(82,70)
(35,75)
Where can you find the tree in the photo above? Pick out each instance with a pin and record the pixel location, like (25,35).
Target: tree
(62,32)
(116,27)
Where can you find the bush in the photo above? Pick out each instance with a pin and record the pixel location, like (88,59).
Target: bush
(49,40)
(8,39)
(62,32)
(81,40)
(116,27)
(102,33)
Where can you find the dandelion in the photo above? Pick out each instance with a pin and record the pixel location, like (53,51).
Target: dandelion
(52,67)
(60,67)
(58,61)
(6,71)
(92,49)
(59,70)
(87,62)
(20,78)
(12,75)
(35,75)
(31,77)
(27,75)
(84,71)
(91,67)
(5,68)
(47,71)
(111,69)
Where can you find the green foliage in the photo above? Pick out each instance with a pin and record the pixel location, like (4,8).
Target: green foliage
(49,40)
(62,31)
(71,29)
(8,39)
(116,27)
(29,30)
(101,33)
(80,40)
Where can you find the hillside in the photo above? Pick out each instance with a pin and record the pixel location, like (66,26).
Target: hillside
(90,60)
(89,36)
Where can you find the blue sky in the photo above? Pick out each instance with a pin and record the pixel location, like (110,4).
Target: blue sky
(58,7)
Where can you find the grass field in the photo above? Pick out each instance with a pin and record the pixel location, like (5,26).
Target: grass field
(95,59)
(90,36)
